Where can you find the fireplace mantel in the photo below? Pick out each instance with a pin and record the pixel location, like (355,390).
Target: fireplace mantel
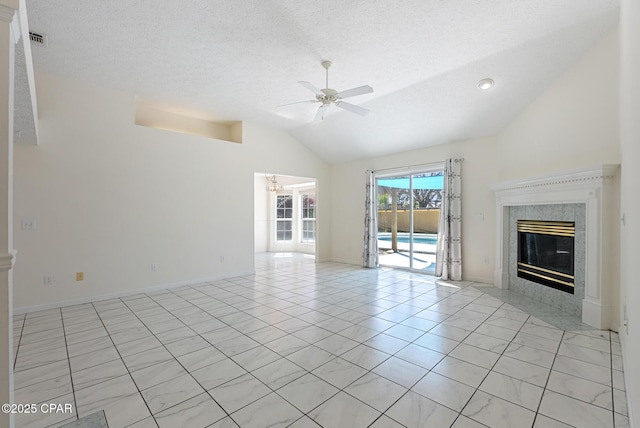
(590,186)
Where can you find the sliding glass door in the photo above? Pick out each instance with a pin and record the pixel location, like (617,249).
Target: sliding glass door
(408,216)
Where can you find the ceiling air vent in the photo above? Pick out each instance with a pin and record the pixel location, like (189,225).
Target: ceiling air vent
(38,39)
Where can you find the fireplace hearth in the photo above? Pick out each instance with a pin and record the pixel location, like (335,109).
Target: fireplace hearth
(546,253)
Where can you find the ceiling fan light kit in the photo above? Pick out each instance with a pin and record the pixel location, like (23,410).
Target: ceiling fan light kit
(328,96)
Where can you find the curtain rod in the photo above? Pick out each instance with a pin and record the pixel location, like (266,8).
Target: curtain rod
(400,168)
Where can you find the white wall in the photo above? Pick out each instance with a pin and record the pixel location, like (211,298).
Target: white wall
(7,58)
(573,123)
(630,202)
(111,198)
(478,171)
(261,214)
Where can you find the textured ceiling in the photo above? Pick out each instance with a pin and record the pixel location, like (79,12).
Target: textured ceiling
(239,60)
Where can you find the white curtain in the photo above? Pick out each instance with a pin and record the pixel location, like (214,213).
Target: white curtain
(370,254)
(449,246)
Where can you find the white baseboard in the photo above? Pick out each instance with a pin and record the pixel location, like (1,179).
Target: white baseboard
(347,262)
(26,309)
(484,281)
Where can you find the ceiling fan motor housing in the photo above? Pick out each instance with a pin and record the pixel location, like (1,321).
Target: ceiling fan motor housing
(330,96)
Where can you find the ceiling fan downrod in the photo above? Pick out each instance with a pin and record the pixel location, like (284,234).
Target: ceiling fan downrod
(326,64)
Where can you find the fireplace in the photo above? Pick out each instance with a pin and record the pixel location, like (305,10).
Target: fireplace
(585,196)
(546,253)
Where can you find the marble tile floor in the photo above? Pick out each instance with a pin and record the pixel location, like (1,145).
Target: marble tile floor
(301,344)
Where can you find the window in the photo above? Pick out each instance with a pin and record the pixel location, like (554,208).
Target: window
(308,206)
(284,215)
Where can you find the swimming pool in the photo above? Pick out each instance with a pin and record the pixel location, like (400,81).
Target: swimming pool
(417,239)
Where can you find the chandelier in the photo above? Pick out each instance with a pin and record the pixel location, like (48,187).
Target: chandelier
(273,184)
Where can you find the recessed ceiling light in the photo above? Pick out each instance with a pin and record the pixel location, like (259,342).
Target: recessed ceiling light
(485,84)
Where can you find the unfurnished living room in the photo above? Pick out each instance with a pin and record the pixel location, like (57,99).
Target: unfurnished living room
(329,214)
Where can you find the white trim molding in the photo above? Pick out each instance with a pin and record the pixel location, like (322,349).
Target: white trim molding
(7,261)
(10,14)
(7,12)
(590,186)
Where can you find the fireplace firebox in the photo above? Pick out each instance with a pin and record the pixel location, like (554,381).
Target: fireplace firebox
(546,253)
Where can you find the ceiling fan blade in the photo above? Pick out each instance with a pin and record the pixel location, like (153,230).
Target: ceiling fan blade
(352,108)
(320,113)
(299,102)
(311,87)
(360,90)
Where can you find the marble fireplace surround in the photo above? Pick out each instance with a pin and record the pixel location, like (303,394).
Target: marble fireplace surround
(590,186)
(569,303)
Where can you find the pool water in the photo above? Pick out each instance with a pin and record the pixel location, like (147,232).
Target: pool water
(432,240)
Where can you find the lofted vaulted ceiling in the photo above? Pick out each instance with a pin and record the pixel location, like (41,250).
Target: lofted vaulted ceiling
(238,60)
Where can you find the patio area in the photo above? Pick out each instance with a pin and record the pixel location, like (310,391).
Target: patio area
(424,251)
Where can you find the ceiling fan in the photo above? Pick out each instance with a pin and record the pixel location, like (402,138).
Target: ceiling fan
(328,96)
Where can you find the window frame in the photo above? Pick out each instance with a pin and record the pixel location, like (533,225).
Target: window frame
(307,217)
(284,224)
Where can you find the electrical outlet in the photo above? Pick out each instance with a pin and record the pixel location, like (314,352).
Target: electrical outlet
(49,279)
(79,276)
(221,259)
(154,267)
(28,224)
(487,260)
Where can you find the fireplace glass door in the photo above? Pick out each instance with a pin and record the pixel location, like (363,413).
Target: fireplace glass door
(546,253)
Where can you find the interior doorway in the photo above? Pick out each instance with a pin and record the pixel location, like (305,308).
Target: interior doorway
(408,217)
(285,210)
